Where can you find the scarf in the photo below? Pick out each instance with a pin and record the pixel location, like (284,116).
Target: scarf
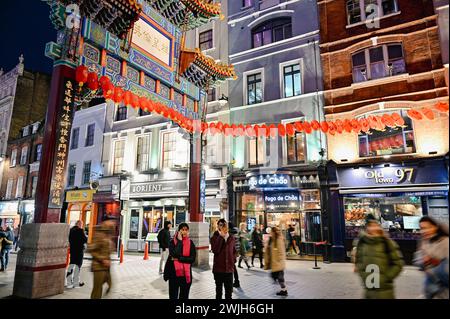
(183,269)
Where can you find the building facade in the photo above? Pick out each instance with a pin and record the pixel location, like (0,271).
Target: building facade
(384,57)
(85,167)
(274,47)
(21,170)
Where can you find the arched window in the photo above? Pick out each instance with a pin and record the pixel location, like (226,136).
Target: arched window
(378,62)
(391,141)
(271,31)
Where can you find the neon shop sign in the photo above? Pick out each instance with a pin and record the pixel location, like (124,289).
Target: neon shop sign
(274,181)
(397,176)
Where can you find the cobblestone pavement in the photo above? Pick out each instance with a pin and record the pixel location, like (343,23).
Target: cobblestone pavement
(139,279)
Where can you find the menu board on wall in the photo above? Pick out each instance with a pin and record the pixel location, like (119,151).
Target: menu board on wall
(411,222)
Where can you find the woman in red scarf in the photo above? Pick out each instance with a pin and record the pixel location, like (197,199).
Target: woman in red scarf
(178,270)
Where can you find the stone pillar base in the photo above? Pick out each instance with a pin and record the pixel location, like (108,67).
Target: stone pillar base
(41,261)
(199,233)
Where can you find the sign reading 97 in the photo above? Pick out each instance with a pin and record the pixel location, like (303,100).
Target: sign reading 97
(400,175)
(73,16)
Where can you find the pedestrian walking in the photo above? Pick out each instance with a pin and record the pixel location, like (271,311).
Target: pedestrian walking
(244,246)
(7,244)
(16,237)
(291,240)
(376,253)
(77,242)
(234,231)
(178,269)
(432,257)
(101,249)
(275,259)
(257,245)
(224,249)
(164,241)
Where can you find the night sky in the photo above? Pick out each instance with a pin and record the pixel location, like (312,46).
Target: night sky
(25,28)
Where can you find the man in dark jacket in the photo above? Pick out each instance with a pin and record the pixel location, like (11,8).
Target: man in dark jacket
(234,231)
(7,239)
(163,241)
(223,247)
(257,243)
(77,240)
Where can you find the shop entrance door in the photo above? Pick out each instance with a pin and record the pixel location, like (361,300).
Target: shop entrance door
(289,223)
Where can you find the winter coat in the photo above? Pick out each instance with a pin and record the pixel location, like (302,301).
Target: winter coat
(176,251)
(100,248)
(224,253)
(77,239)
(436,283)
(7,239)
(275,254)
(257,240)
(164,238)
(384,253)
(243,242)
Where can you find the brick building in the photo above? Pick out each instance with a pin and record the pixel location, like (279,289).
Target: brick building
(21,169)
(384,56)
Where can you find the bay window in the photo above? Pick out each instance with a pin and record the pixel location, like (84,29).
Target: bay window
(362,10)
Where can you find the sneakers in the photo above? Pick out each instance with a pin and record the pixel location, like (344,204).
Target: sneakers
(69,286)
(282,293)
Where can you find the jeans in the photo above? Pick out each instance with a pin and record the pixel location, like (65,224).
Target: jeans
(179,288)
(73,275)
(164,256)
(236,275)
(279,276)
(257,251)
(224,279)
(5,257)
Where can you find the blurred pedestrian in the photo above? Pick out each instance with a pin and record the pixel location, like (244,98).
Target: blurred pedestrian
(432,256)
(378,261)
(224,249)
(292,241)
(7,245)
(275,259)
(178,270)
(234,231)
(243,244)
(164,241)
(257,243)
(16,237)
(101,249)
(77,241)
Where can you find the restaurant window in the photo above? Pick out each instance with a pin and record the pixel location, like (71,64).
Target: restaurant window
(38,153)
(399,216)
(9,188)
(13,158)
(119,152)
(378,62)
(143,153)
(90,135)
(256,151)
(175,150)
(391,141)
(296,148)
(152,221)
(272,31)
(134,224)
(24,155)
(292,80)
(121,113)
(254,89)
(34,181)
(362,10)
(72,172)
(205,40)
(86,172)
(75,137)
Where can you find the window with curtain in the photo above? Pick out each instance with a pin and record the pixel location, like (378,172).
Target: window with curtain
(271,31)
(143,153)
(296,148)
(119,152)
(254,88)
(292,80)
(378,62)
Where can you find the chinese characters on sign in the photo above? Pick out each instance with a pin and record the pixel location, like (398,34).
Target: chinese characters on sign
(62,147)
(152,41)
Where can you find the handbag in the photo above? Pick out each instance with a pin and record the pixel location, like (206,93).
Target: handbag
(169,269)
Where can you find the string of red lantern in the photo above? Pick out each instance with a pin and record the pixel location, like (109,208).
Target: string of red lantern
(339,126)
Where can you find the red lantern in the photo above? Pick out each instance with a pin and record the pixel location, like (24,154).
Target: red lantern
(219,127)
(108,91)
(127,98)
(249,131)
(234,131)
(265,130)
(414,115)
(118,94)
(398,120)
(442,107)
(226,129)
(134,101)
(339,126)
(290,129)
(143,103)
(356,126)
(81,75)
(104,81)
(324,126)
(204,127)
(258,131)
(241,130)
(331,128)
(281,130)
(429,114)
(211,127)
(315,125)
(347,126)
(307,127)
(365,126)
(298,126)
(92,81)
(273,130)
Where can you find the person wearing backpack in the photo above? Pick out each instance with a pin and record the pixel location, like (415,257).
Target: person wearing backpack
(378,261)
(164,241)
